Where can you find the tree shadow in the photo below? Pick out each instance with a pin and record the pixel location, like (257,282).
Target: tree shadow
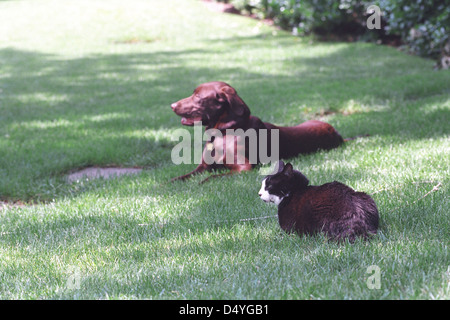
(133,242)
(99,110)
(111,109)
(115,109)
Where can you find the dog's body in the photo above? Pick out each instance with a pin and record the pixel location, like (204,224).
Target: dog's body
(306,137)
(218,106)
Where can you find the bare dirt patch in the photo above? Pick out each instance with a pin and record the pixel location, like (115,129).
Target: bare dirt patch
(229,8)
(11,204)
(82,174)
(221,7)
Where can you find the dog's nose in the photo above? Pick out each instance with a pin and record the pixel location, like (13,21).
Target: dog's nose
(173,105)
(259,194)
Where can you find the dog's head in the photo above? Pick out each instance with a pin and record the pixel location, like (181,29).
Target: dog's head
(215,104)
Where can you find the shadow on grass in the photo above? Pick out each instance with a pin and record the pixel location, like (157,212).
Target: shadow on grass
(163,255)
(115,109)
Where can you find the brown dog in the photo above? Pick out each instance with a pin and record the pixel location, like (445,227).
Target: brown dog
(218,106)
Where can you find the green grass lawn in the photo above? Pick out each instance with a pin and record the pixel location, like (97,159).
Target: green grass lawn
(91,82)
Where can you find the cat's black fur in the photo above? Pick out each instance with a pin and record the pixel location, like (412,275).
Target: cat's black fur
(333,208)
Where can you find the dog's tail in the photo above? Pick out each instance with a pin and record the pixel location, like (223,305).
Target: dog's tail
(356,137)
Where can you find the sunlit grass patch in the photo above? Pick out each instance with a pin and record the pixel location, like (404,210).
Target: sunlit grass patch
(90,83)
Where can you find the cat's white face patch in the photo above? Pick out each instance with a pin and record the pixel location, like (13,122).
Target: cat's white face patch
(263,194)
(266,196)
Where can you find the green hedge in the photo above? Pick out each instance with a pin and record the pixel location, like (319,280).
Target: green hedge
(422,25)
(319,16)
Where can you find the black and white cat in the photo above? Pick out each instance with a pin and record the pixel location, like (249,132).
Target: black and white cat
(333,208)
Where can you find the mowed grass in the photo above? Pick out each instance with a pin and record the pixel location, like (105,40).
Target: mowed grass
(91,82)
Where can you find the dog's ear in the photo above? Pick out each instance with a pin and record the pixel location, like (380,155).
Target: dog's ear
(237,113)
(237,106)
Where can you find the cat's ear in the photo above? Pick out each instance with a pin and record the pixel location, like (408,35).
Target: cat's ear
(288,170)
(280,165)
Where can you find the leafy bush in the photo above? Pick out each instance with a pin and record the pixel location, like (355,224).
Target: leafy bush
(305,16)
(423,25)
